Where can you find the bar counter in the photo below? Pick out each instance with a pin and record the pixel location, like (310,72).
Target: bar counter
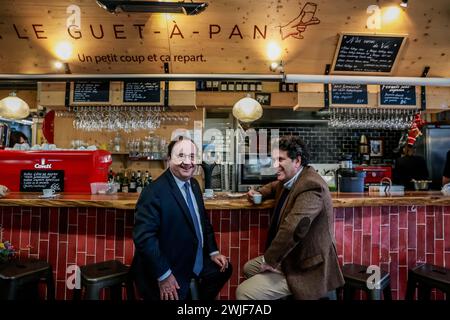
(394,233)
(127,201)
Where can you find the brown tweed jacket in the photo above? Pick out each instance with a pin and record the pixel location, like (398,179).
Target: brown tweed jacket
(303,247)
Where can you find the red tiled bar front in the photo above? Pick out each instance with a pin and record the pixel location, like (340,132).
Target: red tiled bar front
(393,236)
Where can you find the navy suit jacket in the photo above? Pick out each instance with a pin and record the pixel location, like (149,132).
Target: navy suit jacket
(164,236)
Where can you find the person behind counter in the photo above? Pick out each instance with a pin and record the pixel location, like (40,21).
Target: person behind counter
(173,237)
(408,167)
(17,137)
(446,173)
(300,257)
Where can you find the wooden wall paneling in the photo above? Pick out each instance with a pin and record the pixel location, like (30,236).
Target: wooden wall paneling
(51,94)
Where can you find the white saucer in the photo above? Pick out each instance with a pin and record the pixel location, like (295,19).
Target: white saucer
(206,197)
(236,195)
(49,197)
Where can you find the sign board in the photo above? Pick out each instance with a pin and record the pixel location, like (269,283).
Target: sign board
(348,94)
(90,91)
(366,53)
(397,95)
(141,91)
(37,180)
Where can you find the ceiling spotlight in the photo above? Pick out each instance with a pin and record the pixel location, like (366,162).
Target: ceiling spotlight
(404,4)
(187,8)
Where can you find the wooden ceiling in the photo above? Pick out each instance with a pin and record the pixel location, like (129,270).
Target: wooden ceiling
(230,36)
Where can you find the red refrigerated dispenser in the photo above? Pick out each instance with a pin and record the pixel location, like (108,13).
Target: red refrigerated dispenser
(63,171)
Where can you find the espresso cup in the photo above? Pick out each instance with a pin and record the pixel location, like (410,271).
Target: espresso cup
(48,192)
(257,198)
(209,193)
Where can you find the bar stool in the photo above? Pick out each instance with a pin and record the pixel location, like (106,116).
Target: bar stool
(17,275)
(356,276)
(426,277)
(108,274)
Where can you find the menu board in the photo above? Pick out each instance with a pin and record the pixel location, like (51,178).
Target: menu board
(91,91)
(37,180)
(397,95)
(141,91)
(348,94)
(367,53)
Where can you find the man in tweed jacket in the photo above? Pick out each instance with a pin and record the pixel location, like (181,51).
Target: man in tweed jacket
(300,257)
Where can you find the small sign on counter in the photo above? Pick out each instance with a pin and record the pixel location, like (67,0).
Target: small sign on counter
(37,180)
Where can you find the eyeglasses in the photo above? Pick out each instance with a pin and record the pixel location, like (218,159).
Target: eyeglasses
(180,157)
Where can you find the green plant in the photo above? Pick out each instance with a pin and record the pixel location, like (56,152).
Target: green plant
(6,251)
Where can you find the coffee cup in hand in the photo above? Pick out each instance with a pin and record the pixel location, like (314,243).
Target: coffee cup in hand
(257,198)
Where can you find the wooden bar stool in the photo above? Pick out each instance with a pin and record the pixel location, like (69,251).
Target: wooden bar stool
(18,275)
(356,276)
(426,277)
(108,274)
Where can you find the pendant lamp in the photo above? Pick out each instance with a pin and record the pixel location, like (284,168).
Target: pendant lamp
(12,107)
(247,109)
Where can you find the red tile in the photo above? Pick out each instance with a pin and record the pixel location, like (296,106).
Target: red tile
(224,244)
(447,232)
(245,224)
(421,214)
(402,281)
(429,211)
(109,254)
(375,254)
(91,225)
(110,230)
(366,250)
(385,243)
(34,236)
(244,252)
(439,223)
(224,225)
(357,223)
(348,243)
(215,219)
(25,231)
(254,218)
(429,246)
(43,250)
(447,260)
(439,252)
(72,245)
(357,246)
(367,220)
(339,235)
(226,214)
(119,238)
(73,216)
(394,232)
(385,215)
(429,258)
(129,250)
(53,250)
(63,224)
(402,247)
(101,248)
(61,264)
(376,219)
(420,243)
(348,217)
(412,228)
(412,258)
(339,213)
(403,217)
(101,223)
(129,217)
(237,269)
(393,209)
(393,270)
(54,216)
(81,259)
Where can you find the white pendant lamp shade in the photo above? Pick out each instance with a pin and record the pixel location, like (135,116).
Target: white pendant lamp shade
(13,107)
(247,110)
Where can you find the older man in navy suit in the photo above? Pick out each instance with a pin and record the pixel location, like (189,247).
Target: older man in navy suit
(173,237)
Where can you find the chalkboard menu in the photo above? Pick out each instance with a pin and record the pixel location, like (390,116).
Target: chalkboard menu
(348,94)
(37,180)
(367,53)
(141,91)
(397,95)
(91,91)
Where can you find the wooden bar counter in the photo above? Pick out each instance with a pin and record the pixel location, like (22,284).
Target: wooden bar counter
(395,232)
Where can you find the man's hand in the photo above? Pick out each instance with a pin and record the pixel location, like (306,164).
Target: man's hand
(265,267)
(221,261)
(168,288)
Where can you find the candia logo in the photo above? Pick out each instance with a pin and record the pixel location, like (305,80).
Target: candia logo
(43,165)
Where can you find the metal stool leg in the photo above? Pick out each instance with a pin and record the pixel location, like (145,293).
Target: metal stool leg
(92,292)
(387,293)
(411,286)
